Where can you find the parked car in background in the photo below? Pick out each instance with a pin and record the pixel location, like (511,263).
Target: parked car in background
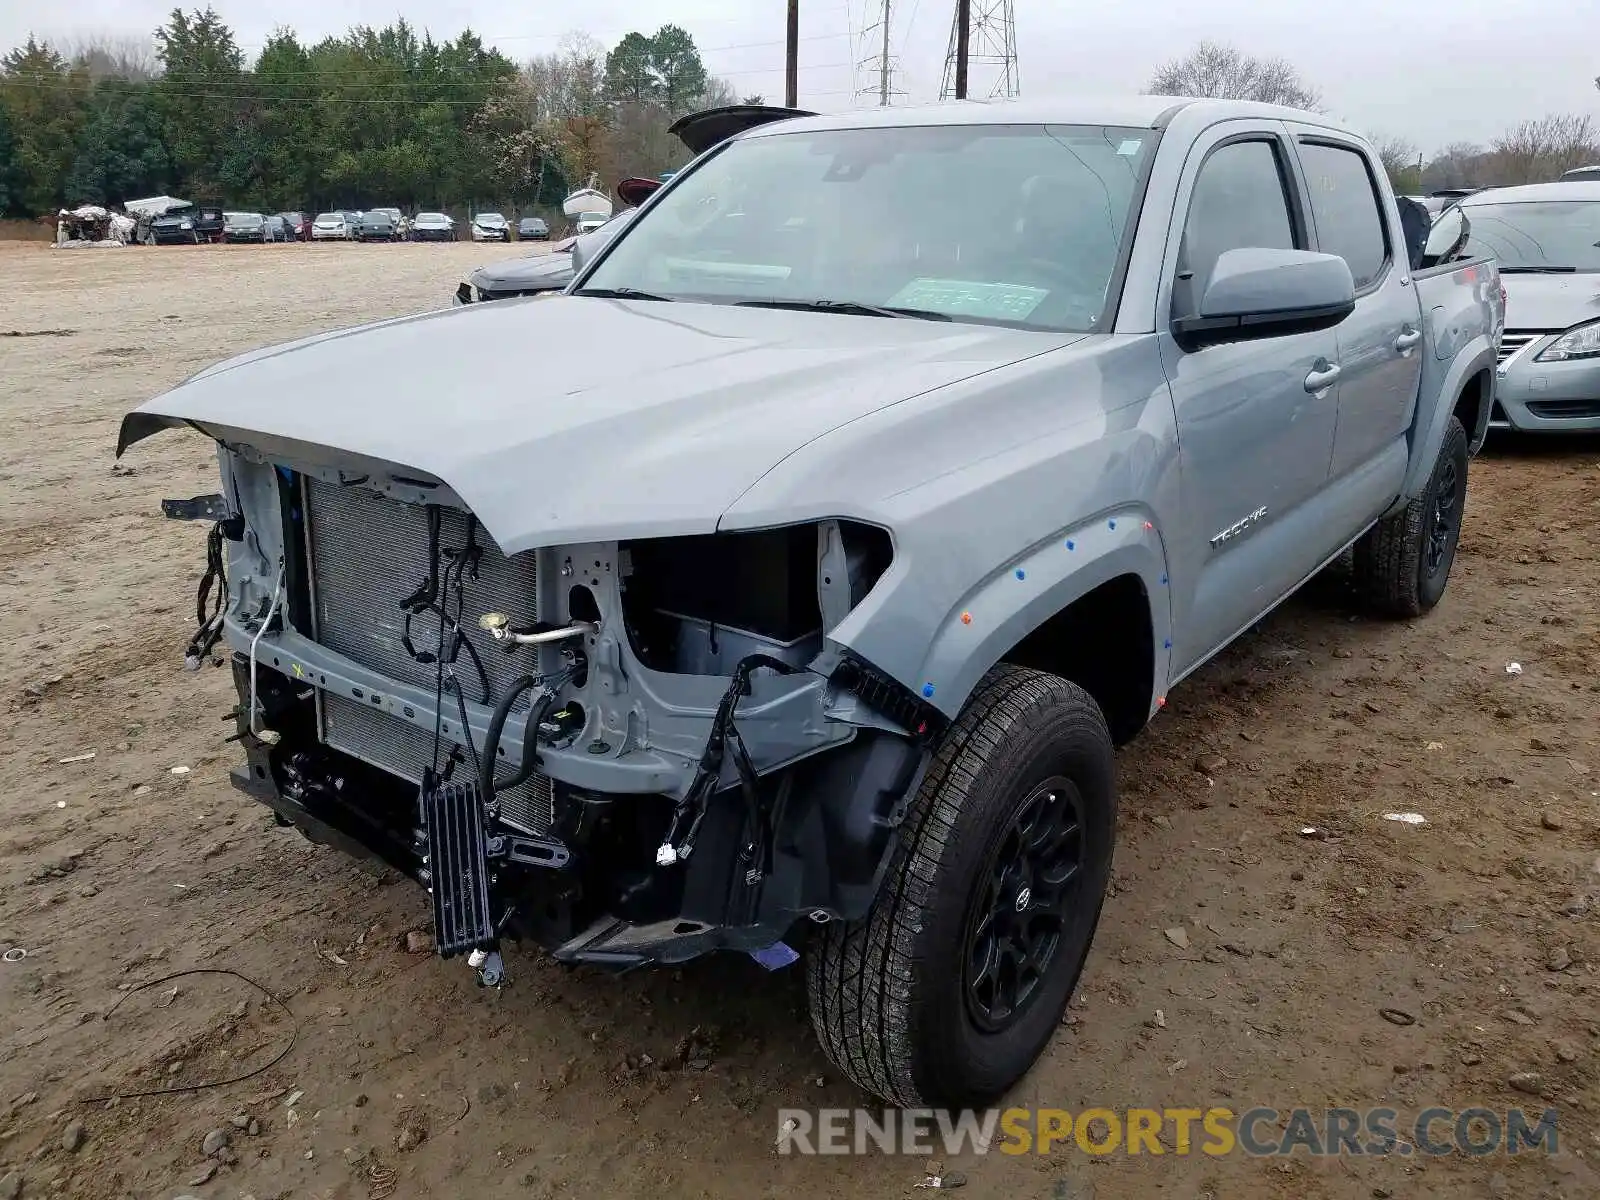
(588,222)
(175,226)
(432,227)
(376,225)
(1546,238)
(145,211)
(396,218)
(244,227)
(1445,197)
(192,224)
(1580,174)
(547,273)
(276,229)
(299,225)
(209,222)
(533,229)
(330,227)
(490,227)
(897,529)
(544,274)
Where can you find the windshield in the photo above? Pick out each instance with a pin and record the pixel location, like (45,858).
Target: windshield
(1015,225)
(430,218)
(1543,235)
(329,218)
(491,219)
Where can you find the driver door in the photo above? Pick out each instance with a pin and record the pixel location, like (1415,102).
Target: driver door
(1256,418)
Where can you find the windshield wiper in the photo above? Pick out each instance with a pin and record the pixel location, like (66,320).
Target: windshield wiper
(622,293)
(851,307)
(1538,270)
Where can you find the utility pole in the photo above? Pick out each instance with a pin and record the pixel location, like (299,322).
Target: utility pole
(792,80)
(883,65)
(875,63)
(963,38)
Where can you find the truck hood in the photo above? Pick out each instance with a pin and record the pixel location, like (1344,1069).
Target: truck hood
(536,271)
(1550,301)
(589,419)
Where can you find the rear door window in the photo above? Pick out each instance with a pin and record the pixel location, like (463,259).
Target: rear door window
(1345,207)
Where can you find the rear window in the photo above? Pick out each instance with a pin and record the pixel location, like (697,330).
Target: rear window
(1344,205)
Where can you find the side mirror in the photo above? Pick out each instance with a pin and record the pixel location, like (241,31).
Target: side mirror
(1448,237)
(1257,293)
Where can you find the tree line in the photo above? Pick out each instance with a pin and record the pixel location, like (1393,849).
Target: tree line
(385,115)
(394,116)
(1533,151)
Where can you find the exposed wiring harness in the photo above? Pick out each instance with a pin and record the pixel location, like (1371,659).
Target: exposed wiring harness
(439,594)
(213,589)
(433,596)
(690,811)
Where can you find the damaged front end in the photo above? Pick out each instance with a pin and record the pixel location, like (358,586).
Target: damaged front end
(628,752)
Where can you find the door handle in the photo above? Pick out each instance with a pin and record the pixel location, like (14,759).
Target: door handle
(1322,377)
(1408,338)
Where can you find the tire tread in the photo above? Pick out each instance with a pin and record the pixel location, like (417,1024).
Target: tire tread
(861,975)
(1388,557)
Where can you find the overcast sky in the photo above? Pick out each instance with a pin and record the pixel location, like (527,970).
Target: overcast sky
(1432,71)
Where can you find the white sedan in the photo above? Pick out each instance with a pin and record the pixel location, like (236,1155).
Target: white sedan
(490,227)
(330,226)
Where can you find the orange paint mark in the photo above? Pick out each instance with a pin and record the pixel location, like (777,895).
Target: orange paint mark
(966,618)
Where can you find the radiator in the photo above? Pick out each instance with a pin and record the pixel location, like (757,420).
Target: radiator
(367,553)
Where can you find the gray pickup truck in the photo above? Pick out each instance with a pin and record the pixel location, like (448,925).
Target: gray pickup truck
(791,580)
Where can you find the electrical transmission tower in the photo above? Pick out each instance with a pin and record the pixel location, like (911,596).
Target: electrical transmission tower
(875,67)
(991,51)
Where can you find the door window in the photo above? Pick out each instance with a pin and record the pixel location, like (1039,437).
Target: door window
(1240,200)
(1344,204)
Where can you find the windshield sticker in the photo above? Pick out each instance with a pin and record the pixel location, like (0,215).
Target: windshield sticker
(1130,148)
(964,298)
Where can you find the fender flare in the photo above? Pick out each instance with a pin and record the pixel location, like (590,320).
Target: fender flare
(1021,595)
(1478,357)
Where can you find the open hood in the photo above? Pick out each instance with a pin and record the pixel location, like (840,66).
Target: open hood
(585,419)
(700,131)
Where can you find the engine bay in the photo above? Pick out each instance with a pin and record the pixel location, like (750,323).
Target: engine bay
(573,744)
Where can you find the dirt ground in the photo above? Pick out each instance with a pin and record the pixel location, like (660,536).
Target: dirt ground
(403,1078)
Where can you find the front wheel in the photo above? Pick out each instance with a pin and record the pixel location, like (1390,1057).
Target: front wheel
(1403,563)
(951,987)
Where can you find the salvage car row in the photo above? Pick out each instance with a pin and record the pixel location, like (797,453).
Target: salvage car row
(163,221)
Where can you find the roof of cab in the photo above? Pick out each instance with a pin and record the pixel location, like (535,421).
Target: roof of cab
(1133,112)
(1528,193)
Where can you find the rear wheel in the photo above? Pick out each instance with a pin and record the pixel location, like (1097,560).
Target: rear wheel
(1403,563)
(950,988)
